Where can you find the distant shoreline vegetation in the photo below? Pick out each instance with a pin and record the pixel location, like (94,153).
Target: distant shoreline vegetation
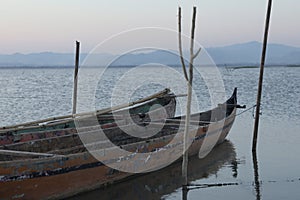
(245,67)
(71,67)
(293,65)
(35,67)
(154,65)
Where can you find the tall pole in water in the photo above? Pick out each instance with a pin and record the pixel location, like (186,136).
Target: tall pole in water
(75,78)
(189,81)
(261,74)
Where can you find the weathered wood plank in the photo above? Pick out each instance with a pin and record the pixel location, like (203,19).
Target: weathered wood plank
(25,153)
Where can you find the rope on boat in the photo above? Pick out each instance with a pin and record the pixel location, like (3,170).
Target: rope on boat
(252,107)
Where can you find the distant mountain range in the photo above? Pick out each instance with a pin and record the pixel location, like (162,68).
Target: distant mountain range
(237,54)
(250,53)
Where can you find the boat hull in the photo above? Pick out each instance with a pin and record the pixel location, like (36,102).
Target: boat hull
(82,172)
(67,173)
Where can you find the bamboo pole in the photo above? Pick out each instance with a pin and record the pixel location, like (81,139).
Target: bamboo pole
(261,74)
(76,78)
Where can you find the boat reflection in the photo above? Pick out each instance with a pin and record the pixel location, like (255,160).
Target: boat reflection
(165,181)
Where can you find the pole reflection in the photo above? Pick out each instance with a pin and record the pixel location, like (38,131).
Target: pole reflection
(212,158)
(256,176)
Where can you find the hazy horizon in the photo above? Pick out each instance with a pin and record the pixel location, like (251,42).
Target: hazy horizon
(53,26)
(109,53)
(242,53)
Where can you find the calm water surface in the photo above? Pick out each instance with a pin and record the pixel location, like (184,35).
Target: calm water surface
(31,94)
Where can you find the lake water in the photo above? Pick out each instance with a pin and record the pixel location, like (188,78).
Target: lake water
(35,93)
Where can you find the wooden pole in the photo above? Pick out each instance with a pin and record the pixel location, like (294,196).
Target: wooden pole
(76,77)
(180,45)
(184,192)
(189,79)
(261,74)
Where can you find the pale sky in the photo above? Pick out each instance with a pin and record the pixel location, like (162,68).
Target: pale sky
(29,26)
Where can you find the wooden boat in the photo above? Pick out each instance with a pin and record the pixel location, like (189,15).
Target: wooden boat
(59,167)
(136,111)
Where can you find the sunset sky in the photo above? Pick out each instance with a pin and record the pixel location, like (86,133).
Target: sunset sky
(29,26)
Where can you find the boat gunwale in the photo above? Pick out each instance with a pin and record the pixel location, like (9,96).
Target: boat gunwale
(230,119)
(158,123)
(68,118)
